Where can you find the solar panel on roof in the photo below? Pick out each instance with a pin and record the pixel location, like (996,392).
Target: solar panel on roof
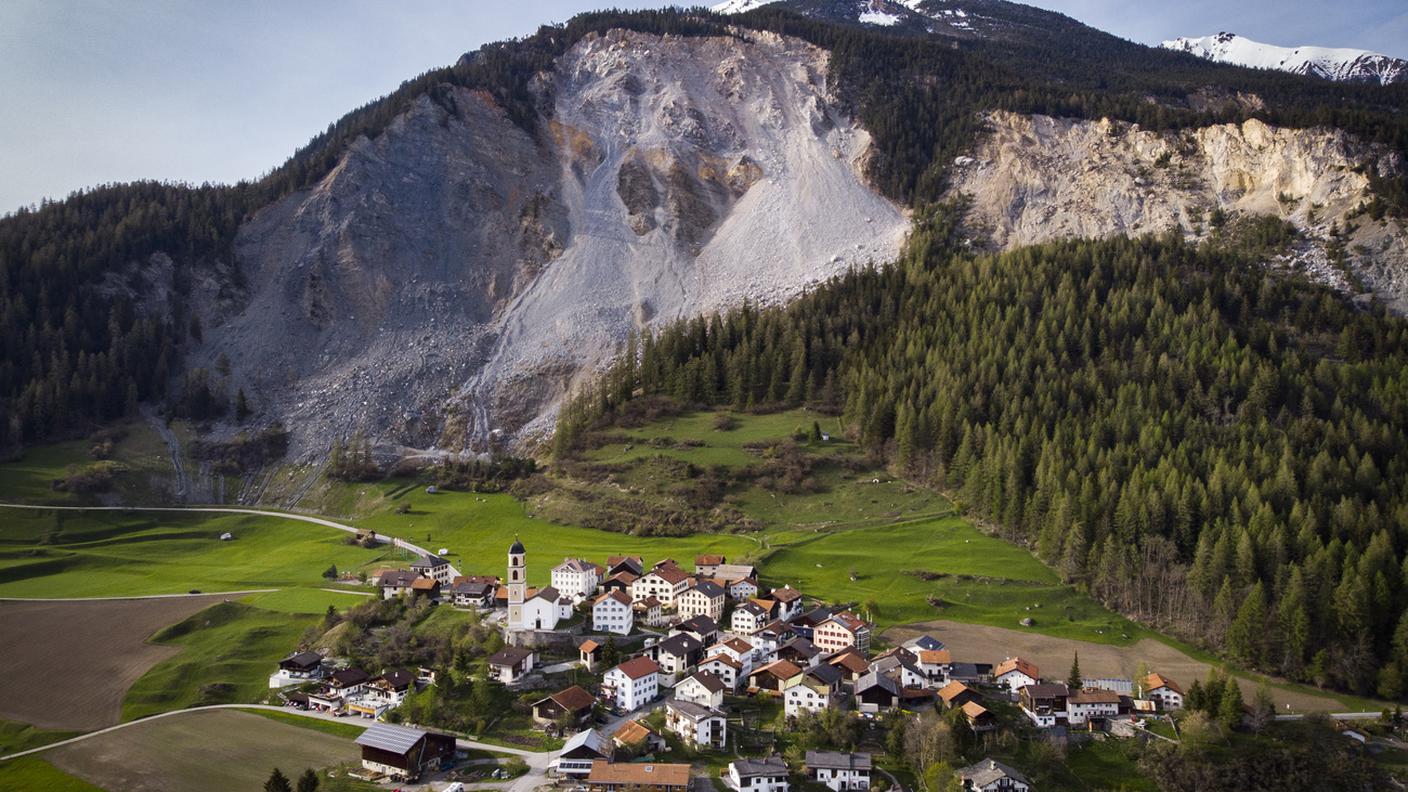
(388,737)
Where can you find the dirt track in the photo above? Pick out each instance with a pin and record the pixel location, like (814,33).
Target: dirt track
(214,751)
(979,643)
(69,664)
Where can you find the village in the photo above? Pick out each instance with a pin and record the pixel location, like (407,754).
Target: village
(673,668)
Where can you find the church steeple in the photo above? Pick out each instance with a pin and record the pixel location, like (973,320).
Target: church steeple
(517,583)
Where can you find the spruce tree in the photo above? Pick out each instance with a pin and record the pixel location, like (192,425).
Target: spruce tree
(277,782)
(308,782)
(1073,680)
(1230,708)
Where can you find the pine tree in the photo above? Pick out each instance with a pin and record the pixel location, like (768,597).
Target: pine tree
(1230,708)
(277,782)
(1073,680)
(308,782)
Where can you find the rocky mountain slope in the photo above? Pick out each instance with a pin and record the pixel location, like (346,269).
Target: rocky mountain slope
(1330,63)
(1036,178)
(455,254)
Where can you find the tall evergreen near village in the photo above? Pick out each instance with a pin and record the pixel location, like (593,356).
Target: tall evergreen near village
(1217,451)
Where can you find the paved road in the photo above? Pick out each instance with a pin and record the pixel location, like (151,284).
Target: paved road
(382,538)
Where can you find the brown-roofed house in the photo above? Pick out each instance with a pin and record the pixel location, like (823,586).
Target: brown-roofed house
(1014,673)
(956,694)
(979,718)
(638,777)
(573,703)
(775,677)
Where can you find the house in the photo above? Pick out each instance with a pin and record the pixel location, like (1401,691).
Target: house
(851,662)
(649,612)
(708,565)
(296,669)
(876,692)
(621,581)
(425,587)
(638,777)
(979,718)
(725,669)
(697,725)
(402,752)
(1014,673)
(677,654)
(748,618)
(799,651)
(632,684)
(731,573)
(789,602)
(991,775)
(767,640)
(757,775)
(740,650)
(612,612)
(840,631)
(510,664)
(838,771)
(970,673)
(934,664)
(1091,706)
(634,738)
(805,625)
(465,593)
(956,694)
(589,652)
(395,582)
(923,642)
(739,590)
(768,606)
(1163,690)
(704,598)
(664,583)
(1124,687)
(900,664)
(1044,703)
(576,757)
(702,688)
(573,705)
(382,693)
(576,578)
(703,628)
(543,610)
(618,564)
(435,568)
(816,691)
(775,677)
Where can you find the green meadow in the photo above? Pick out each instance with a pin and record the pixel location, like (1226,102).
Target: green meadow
(31,772)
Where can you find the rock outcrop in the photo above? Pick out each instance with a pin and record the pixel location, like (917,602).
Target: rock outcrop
(1036,178)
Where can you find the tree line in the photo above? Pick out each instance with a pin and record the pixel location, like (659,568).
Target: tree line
(1208,447)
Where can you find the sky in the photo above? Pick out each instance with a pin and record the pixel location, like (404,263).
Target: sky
(97,91)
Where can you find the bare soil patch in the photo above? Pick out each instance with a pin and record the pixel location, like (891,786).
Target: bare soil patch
(212,750)
(981,643)
(69,664)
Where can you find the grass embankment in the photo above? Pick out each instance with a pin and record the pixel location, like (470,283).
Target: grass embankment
(227,654)
(16,736)
(351,729)
(31,772)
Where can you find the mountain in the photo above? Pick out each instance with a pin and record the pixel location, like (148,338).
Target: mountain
(1330,63)
(443,267)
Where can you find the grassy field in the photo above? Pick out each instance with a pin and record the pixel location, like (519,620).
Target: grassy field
(33,773)
(16,736)
(144,472)
(227,654)
(304,600)
(350,729)
(96,554)
(212,750)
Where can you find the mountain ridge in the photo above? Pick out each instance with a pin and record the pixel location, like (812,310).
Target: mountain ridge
(1339,64)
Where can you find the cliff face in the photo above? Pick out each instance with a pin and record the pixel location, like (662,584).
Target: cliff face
(450,280)
(1035,178)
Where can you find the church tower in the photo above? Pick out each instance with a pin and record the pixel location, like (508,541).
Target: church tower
(517,584)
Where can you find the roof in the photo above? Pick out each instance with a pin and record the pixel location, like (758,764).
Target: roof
(616,594)
(923,642)
(634,562)
(849,659)
(1016,664)
(738,645)
(572,699)
(752,607)
(1156,681)
(1094,696)
(589,739)
(394,578)
(625,577)
(652,774)
(710,682)
(302,659)
(698,624)
(547,593)
(771,766)
(679,644)
(638,667)
(350,676)
(782,669)
(709,560)
(838,760)
(509,656)
(425,584)
(389,737)
(874,680)
(974,710)
(692,710)
(473,588)
(786,594)
(517,547)
(1046,690)
(632,732)
(429,562)
(935,656)
(722,658)
(848,621)
(989,771)
(708,588)
(670,574)
(649,602)
(828,675)
(735,572)
(953,690)
(398,679)
(574,565)
(589,646)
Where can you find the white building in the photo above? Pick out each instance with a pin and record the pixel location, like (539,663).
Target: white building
(748,618)
(544,610)
(991,775)
(632,684)
(435,568)
(612,612)
(663,583)
(1014,673)
(702,688)
(789,602)
(816,692)
(510,664)
(576,578)
(1091,704)
(702,599)
(758,775)
(697,725)
(840,772)
(725,669)
(1165,691)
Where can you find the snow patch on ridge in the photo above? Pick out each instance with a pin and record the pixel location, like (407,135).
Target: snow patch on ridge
(1331,63)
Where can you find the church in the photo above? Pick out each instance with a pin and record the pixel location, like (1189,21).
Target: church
(541,610)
